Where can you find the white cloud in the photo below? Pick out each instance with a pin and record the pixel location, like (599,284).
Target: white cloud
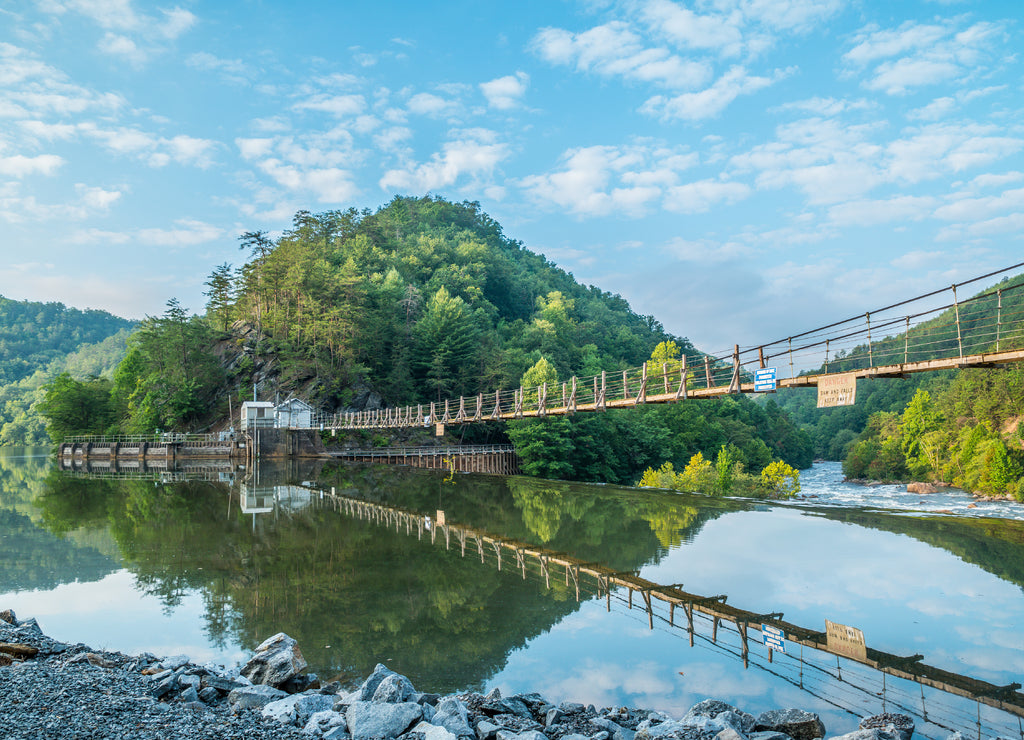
(919,54)
(708,103)
(428,104)
(97,199)
(234,70)
(339,106)
(926,152)
(121,46)
(605,180)
(613,50)
(22,166)
(701,196)
(935,110)
(695,31)
(873,212)
(506,92)
(706,250)
(977,209)
(475,154)
(188,234)
(176,22)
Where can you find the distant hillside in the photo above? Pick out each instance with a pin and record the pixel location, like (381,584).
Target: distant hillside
(34,334)
(832,431)
(40,340)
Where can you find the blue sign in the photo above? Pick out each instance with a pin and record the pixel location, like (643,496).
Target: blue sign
(773,637)
(764,379)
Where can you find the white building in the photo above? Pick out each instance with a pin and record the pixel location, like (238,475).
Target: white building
(294,414)
(257,414)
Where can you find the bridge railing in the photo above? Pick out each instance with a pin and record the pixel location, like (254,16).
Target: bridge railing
(936,325)
(134,440)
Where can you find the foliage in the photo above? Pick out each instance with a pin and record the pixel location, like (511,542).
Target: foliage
(76,407)
(777,479)
(964,431)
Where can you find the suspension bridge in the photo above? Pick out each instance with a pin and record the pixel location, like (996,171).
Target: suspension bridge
(935,331)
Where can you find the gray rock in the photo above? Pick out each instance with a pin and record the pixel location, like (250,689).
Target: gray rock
(174,662)
(393,689)
(277,659)
(281,710)
(337,733)
(872,734)
(310,704)
(369,686)
(166,686)
(486,730)
(575,736)
(768,735)
(714,716)
(796,723)
(493,695)
(729,734)
(221,684)
(615,731)
(432,732)
(901,724)
(373,721)
(515,723)
(187,679)
(512,705)
(322,722)
(209,695)
(553,717)
(571,707)
(670,730)
(253,697)
(451,714)
(301,683)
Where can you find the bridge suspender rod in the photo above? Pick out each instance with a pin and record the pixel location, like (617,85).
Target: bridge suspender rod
(999,316)
(707,370)
(760,356)
(871,360)
(956,307)
(572,397)
(734,385)
(641,397)
(681,393)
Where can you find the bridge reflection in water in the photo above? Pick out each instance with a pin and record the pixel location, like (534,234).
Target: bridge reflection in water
(898,683)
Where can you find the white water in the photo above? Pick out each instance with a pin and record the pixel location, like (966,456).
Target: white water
(822,485)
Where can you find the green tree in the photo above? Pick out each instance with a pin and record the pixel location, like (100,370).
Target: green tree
(76,407)
(534,380)
(220,295)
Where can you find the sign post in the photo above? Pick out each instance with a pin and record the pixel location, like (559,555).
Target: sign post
(773,637)
(837,390)
(764,379)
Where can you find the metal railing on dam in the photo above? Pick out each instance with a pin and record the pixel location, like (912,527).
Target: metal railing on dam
(497,459)
(844,681)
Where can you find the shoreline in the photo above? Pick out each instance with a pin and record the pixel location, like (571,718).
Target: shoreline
(51,689)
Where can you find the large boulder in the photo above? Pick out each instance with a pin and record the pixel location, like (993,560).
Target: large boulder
(393,689)
(796,723)
(714,716)
(452,715)
(922,488)
(277,659)
(253,697)
(369,720)
(368,688)
(296,709)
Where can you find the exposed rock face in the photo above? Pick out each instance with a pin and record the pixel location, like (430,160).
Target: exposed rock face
(277,659)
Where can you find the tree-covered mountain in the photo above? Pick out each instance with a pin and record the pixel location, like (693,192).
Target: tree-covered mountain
(419,301)
(38,341)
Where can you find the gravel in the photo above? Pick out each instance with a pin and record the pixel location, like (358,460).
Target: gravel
(71,692)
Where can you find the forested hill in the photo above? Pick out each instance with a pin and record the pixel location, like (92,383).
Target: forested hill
(34,334)
(424,298)
(40,340)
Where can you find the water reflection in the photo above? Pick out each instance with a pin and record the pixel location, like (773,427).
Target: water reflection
(256,552)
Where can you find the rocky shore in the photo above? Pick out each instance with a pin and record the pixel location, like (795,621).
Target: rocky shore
(50,689)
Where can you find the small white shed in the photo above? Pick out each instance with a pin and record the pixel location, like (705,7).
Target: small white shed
(257,414)
(294,414)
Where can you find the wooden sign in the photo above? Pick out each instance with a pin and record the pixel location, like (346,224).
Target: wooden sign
(837,390)
(843,640)
(440,517)
(439,430)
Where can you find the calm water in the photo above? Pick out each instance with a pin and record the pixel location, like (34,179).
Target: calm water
(209,569)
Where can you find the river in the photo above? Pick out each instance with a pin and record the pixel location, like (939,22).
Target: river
(351,561)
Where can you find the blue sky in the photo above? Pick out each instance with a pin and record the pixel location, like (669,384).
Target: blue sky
(741,169)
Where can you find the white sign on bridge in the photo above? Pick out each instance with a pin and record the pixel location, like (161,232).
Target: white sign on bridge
(837,390)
